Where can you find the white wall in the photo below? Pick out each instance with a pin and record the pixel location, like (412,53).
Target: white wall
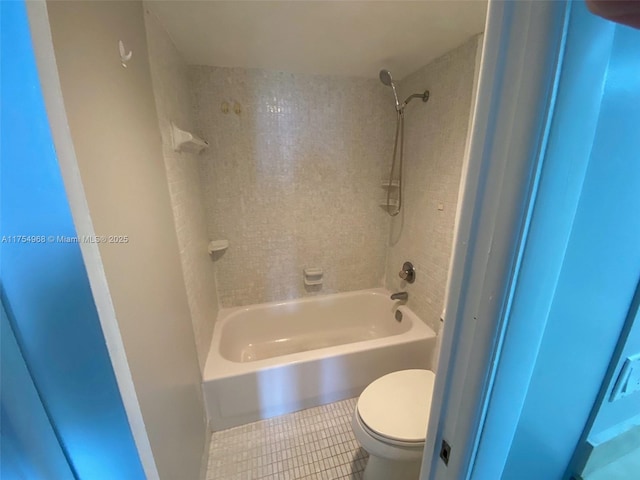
(435,141)
(173,103)
(294,180)
(114,127)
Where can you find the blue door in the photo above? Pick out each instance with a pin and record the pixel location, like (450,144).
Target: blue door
(30,448)
(588,197)
(62,414)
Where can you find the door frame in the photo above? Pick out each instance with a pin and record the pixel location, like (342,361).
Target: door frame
(520,69)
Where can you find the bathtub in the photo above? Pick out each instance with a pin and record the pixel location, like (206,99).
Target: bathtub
(275,358)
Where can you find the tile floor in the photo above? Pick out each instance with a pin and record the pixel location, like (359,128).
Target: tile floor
(312,444)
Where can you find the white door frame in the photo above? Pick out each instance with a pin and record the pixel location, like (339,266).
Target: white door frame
(522,55)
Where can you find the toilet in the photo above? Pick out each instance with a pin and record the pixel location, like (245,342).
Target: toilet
(390,423)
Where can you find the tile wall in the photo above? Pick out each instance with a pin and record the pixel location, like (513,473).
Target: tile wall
(435,139)
(173,103)
(293,179)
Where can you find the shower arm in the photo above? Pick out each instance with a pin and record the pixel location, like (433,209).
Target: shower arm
(424,96)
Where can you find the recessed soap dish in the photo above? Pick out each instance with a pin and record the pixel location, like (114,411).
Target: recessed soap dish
(218,246)
(313,276)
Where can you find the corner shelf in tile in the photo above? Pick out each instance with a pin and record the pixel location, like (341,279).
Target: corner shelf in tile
(216,246)
(394,184)
(184,141)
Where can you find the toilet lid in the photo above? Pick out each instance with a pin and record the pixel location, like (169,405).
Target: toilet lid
(397,406)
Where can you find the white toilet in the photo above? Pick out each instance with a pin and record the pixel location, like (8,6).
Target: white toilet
(390,423)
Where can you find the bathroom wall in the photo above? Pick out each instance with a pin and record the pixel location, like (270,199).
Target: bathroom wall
(114,126)
(173,103)
(435,139)
(293,180)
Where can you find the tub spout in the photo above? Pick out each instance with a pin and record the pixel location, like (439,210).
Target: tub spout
(400,296)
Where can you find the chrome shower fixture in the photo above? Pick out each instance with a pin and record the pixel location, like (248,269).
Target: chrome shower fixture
(398,146)
(387,79)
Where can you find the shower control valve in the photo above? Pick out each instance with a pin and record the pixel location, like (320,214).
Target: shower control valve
(408,273)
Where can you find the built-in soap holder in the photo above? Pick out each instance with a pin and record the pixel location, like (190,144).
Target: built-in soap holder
(313,276)
(184,141)
(217,246)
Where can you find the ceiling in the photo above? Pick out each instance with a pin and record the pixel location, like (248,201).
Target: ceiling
(354,38)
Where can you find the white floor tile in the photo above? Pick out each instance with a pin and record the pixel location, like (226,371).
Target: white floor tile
(312,444)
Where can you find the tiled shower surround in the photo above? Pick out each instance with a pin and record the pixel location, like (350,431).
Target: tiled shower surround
(293,180)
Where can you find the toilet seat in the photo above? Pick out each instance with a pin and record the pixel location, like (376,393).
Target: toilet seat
(395,408)
(387,440)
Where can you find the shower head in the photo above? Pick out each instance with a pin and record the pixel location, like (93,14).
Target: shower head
(385,77)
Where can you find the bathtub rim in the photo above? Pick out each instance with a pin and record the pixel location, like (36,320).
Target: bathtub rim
(217,366)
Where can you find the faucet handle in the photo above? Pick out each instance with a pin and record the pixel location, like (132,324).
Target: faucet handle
(408,273)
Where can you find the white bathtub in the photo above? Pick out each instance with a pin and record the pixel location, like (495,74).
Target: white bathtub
(275,358)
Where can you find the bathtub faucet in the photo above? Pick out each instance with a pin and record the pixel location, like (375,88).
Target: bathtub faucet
(400,296)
